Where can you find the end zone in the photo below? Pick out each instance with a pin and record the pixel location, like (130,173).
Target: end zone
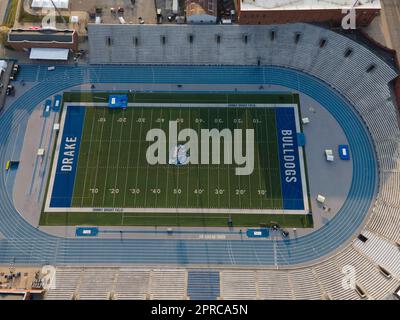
(66,158)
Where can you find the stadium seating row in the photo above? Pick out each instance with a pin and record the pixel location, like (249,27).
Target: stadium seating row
(368,92)
(322,281)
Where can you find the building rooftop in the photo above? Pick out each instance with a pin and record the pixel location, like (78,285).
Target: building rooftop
(41,35)
(252,5)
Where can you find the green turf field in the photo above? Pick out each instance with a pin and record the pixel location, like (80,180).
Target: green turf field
(113,171)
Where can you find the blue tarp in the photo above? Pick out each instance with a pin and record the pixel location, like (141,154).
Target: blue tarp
(118,101)
(344,152)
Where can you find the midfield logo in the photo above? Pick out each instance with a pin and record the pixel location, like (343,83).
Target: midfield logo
(188,151)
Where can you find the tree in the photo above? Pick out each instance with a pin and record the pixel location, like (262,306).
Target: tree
(3,35)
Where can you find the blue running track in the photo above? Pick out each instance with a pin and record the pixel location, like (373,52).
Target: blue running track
(23,243)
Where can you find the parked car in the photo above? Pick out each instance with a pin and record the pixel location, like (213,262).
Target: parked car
(10,90)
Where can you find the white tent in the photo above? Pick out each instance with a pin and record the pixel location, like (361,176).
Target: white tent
(60,4)
(49,54)
(3,65)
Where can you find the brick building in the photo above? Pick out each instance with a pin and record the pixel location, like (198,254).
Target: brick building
(22,39)
(289,11)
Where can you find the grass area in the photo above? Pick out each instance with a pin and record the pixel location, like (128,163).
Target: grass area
(113,170)
(115,175)
(183,97)
(11,13)
(184,220)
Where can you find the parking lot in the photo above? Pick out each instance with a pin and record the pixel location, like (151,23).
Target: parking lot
(4,82)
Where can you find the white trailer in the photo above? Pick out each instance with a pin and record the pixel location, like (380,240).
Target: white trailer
(175,6)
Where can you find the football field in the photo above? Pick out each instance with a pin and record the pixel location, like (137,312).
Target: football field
(113,171)
(109,170)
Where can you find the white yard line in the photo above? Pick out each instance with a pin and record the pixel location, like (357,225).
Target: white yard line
(161,115)
(97,162)
(188,177)
(268,162)
(87,162)
(198,163)
(166,188)
(259,167)
(208,167)
(108,159)
(229,169)
(218,170)
(138,156)
(240,187)
(129,156)
(178,168)
(147,171)
(180,210)
(246,112)
(119,153)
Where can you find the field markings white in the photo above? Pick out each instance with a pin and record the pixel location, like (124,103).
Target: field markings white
(218,170)
(208,167)
(129,157)
(188,168)
(108,159)
(138,157)
(178,168)
(229,168)
(158,165)
(198,163)
(249,191)
(259,160)
(87,161)
(268,159)
(166,187)
(98,158)
(178,210)
(147,171)
(118,157)
(240,186)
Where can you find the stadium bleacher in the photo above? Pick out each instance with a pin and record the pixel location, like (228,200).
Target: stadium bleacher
(203,284)
(375,106)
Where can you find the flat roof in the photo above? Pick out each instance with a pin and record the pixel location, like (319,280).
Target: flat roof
(60,4)
(49,54)
(43,35)
(262,5)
